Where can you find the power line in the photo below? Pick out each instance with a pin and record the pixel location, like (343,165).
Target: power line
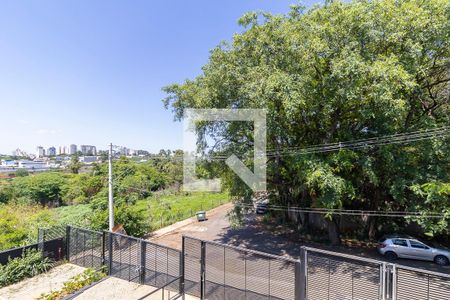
(396,214)
(400,138)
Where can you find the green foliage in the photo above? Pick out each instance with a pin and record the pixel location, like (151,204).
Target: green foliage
(75,164)
(6,192)
(76,283)
(77,215)
(19,224)
(132,219)
(162,211)
(82,188)
(21,173)
(433,197)
(338,72)
(44,188)
(30,264)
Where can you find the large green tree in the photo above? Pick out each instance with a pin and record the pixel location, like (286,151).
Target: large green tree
(337,72)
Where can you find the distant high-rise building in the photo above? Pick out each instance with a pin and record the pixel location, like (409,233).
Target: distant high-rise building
(19,152)
(40,151)
(51,151)
(88,150)
(61,150)
(72,149)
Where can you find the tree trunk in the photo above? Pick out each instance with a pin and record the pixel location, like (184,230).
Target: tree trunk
(333,232)
(372,228)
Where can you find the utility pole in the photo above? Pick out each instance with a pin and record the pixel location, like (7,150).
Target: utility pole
(110,186)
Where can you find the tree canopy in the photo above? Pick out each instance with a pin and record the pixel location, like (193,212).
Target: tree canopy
(337,72)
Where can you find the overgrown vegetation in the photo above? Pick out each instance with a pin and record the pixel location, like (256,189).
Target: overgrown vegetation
(19,223)
(30,264)
(75,284)
(146,196)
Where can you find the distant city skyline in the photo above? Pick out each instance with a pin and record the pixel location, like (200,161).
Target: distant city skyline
(91,72)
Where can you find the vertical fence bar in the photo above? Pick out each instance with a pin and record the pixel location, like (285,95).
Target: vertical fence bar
(103,258)
(202,270)
(84,249)
(68,243)
(142,266)
(394,282)
(300,280)
(383,287)
(182,267)
(110,253)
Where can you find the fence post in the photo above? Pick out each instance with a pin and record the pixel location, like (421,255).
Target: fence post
(394,282)
(43,242)
(103,248)
(142,265)
(68,242)
(389,282)
(110,253)
(300,275)
(182,268)
(202,270)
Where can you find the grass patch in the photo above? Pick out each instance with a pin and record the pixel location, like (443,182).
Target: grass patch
(166,210)
(77,215)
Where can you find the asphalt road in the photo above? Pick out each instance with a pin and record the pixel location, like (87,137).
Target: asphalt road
(254,236)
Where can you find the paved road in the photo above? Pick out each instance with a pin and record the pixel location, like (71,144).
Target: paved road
(217,228)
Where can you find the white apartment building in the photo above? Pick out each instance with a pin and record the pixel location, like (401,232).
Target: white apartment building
(88,150)
(72,149)
(40,151)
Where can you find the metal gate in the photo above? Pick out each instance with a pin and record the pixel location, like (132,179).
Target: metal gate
(331,275)
(143,262)
(415,283)
(124,257)
(216,271)
(85,247)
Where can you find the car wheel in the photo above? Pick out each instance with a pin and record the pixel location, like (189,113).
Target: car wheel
(390,255)
(441,260)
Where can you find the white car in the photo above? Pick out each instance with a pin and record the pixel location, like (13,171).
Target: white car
(403,246)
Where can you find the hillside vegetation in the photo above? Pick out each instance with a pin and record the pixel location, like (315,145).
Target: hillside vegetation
(146,198)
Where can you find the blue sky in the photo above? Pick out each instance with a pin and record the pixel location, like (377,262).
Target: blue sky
(91,72)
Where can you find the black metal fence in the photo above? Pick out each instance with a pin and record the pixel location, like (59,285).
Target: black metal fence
(331,275)
(419,284)
(85,247)
(51,242)
(210,270)
(125,257)
(217,271)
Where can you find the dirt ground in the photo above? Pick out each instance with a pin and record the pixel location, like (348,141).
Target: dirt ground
(119,289)
(32,288)
(254,235)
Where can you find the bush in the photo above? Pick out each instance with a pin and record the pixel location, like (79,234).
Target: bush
(19,223)
(45,188)
(30,264)
(6,192)
(76,283)
(21,173)
(133,219)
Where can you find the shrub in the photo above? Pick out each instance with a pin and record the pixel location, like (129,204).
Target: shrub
(19,223)
(74,284)
(133,219)
(30,264)
(21,173)
(45,188)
